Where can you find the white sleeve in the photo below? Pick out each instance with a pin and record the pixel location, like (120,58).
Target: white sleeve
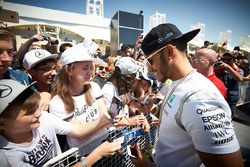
(96,90)
(108,93)
(208,122)
(56,107)
(61,127)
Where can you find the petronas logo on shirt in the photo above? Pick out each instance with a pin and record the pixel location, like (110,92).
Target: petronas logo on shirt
(171,99)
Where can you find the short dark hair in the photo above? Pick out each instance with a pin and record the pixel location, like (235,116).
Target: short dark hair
(6,35)
(63,46)
(125,47)
(180,45)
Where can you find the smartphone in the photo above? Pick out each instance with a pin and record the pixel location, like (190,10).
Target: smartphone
(116,106)
(132,152)
(156,100)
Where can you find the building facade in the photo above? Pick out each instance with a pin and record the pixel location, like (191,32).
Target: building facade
(65,26)
(94,8)
(156,19)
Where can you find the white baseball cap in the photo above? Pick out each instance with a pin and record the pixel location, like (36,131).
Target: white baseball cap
(78,53)
(126,65)
(36,56)
(9,91)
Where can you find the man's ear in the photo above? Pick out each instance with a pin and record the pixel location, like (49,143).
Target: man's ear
(212,62)
(170,51)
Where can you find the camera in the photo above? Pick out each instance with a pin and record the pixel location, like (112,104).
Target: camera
(46,38)
(52,41)
(218,63)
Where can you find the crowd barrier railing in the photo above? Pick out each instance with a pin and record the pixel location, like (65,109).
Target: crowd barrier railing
(130,135)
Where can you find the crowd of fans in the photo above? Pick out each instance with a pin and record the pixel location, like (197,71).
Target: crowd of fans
(60,100)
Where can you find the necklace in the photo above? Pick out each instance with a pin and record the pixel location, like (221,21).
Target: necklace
(167,98)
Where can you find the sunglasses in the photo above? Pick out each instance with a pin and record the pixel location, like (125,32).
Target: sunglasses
(9,51)
(101,68)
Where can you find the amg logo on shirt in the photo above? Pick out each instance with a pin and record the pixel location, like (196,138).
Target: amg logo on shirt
(41,153)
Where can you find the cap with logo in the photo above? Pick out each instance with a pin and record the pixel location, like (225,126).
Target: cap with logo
(149,76)
(126,66)
(9,91)
(78,53)
(36,56)
(163,34)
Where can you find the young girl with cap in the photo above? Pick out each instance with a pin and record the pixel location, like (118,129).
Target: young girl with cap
(77,98)
(121,84)
(28,135)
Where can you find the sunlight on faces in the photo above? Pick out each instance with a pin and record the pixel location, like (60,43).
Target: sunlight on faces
(25,121)
(199,63)
(5,55)
(82,73)
(45,73)
(103,70)
(157,66)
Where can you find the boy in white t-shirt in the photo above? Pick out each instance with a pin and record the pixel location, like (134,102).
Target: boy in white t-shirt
(28,135)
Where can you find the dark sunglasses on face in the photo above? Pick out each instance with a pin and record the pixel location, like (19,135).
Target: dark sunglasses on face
(101,68)
(9,51)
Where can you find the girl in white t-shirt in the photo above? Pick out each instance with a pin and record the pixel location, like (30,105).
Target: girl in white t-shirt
(77,98)
(121,84)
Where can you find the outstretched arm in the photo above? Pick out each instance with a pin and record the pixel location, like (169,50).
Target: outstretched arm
(223,160)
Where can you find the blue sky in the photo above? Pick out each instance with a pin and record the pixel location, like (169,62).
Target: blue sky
(217,15)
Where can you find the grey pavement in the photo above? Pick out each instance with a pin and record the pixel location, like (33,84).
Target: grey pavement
(243,133)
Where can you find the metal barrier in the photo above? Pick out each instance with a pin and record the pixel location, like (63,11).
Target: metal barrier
(131,135)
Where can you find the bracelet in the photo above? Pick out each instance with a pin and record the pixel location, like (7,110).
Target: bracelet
(83,162)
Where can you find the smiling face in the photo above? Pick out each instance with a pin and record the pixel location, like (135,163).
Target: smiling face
(159,64)
(103,70)
(21,117)
(44,74)
(6,57)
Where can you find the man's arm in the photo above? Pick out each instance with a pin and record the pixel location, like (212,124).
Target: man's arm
(227,160)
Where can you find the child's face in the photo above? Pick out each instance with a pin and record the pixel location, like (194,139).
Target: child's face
(25,121)
(82,73)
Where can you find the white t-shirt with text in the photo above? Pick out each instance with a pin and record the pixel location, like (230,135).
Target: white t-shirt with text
(44,145)
(206,118)
(84,114)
